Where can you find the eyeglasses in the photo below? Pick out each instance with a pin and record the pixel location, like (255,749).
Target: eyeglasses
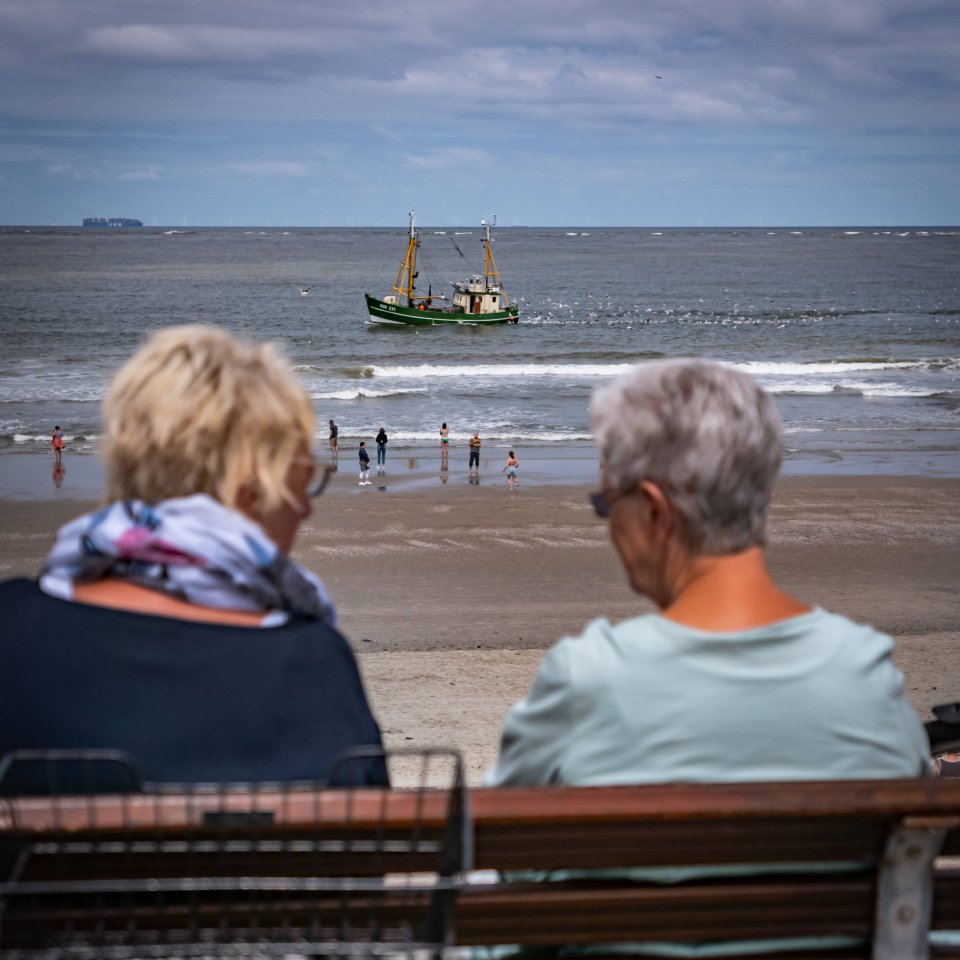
(322,472)
(603,501)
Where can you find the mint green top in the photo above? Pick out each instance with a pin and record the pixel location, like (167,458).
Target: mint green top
(814,697)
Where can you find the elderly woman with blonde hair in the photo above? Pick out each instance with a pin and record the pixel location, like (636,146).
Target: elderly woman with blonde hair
(172,623)
(732,678)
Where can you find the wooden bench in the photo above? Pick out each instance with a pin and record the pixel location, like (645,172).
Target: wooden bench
(244,870)
(896,837)
(314,871)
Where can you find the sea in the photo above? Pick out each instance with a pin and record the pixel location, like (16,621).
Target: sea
(855,331)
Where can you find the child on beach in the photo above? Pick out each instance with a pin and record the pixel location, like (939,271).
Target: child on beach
(510,469)
(57,442)
(364,465)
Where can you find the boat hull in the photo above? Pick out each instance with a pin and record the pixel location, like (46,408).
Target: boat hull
(395,314)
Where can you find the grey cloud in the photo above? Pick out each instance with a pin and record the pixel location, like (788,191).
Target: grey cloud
(584,58)
(294,89)
(151,172)
(272,168)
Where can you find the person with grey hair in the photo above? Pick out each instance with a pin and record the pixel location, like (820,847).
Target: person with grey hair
(732,679)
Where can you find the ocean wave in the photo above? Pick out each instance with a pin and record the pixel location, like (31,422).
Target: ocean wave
(11,392)
(890,390)
(425,370)
(762,368)
(758,368)
(361,393)
(814,388)
(45,438)
(502,434)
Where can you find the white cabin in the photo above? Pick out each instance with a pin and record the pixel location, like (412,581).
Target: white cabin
(472,296)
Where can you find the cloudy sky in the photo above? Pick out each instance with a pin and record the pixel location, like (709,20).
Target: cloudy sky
(545,112)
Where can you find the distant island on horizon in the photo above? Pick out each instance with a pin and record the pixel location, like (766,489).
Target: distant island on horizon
(111,222)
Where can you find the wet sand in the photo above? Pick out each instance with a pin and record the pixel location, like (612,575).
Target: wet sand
(451,594)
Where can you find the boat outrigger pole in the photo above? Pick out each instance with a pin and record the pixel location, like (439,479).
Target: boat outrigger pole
(490,271)
(407,274)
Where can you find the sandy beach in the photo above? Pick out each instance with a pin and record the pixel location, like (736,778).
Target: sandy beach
(450,594)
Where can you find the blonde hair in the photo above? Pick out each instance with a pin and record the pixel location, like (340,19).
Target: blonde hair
(197,411)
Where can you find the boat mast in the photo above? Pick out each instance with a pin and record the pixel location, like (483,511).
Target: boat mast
(490,271)
(408,269)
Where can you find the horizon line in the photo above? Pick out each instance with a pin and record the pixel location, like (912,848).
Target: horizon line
(524,226)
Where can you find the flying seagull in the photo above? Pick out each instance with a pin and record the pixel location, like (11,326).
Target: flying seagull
(305,291)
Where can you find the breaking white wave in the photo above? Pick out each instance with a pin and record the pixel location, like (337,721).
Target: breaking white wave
(361,392)
(500,370)
(846,388)
(758,368)
(45,438)
(503,434)
(761,368)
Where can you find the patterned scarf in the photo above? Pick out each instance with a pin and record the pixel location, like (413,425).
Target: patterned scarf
(192,548)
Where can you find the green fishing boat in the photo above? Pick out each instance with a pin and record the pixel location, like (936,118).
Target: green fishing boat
(478,300)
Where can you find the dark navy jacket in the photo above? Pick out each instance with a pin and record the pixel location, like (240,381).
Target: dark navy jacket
(191,702)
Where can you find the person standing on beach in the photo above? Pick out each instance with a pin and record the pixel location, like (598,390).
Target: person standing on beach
(475,445)
(444,445)
(510,469)
(334,433)
(364,465)
(382,439)
(57,443)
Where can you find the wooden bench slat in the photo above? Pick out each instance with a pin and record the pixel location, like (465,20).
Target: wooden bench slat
(550,914)
(685,801)
(552,846)
(853,952)
(135,814)
(522,805)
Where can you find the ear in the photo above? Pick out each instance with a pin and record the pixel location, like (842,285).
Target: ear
(246,502)
(662,516)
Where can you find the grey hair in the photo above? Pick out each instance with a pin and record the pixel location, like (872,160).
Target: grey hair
(706,433)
